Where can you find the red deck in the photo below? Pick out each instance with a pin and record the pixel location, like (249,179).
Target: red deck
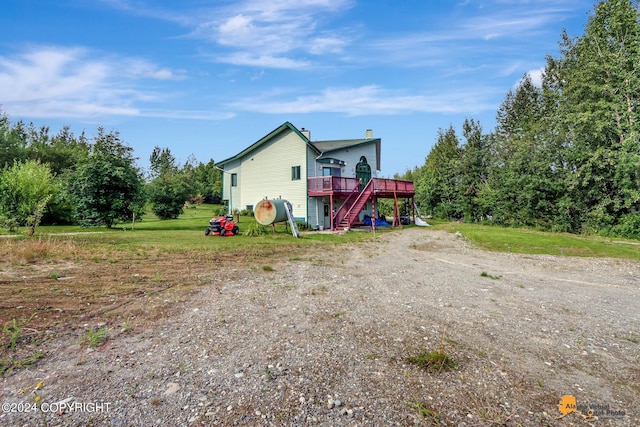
(341,187)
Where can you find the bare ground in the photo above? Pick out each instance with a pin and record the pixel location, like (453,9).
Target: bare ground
(322,337)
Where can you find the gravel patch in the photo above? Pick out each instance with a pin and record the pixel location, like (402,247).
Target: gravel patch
(324,338)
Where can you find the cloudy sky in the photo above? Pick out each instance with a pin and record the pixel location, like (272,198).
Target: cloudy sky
(210,77)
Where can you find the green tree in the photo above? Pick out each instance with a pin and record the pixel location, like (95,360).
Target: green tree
(169,188)
(25,190)
(597,79)
(208,182)
(107,186)
(162,162)
(13,141)
(168,194)
(525,180)
(437,184)
(62,152)
(473,170)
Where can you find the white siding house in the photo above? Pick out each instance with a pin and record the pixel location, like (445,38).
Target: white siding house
(285,164)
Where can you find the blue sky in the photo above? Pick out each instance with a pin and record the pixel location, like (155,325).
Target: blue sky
(210,77)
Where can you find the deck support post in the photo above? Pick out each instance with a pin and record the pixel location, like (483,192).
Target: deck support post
(332,213)
(373,213)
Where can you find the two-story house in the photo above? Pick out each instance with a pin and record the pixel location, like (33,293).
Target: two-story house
(328,183)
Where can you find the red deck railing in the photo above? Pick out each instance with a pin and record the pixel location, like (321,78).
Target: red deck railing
(389,186)
(327,185)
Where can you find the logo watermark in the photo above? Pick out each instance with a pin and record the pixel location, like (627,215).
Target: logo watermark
(590,411)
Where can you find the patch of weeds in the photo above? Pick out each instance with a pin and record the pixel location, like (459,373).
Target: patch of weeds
(567,310)
(55,275)
(450,341)
(8,365)
(372,356)
(521,286)
(633,340)
(494,415)
(13,329)
(256,229)
(490,276)
(431,416)
(267,268)
(133,389)
(322,289)
(269,374)
(96,338)
(336,314)
(433,361)
(220,317)
(126,326)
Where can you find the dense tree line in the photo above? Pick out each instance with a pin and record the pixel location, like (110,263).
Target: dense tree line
(69,179)
(565,155)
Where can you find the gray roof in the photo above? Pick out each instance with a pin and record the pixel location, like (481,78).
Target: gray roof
(338,144)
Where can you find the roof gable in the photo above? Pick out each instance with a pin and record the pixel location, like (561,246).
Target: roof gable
(265,139)
(322,149)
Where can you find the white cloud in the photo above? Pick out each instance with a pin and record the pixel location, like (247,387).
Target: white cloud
(266,61)
(272,34)
(479,35)
(364,100)
(188,114)
(70,82)
(536,77)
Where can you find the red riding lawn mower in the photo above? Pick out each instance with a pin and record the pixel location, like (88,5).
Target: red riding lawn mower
(222,226)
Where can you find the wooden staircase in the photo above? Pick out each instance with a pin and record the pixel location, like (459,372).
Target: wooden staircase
(353,206)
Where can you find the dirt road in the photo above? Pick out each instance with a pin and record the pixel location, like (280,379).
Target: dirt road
(323,337)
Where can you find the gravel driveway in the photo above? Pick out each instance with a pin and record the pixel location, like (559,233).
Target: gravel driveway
(322,338)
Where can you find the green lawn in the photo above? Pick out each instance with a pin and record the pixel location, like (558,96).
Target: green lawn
(187,233)
(520,240)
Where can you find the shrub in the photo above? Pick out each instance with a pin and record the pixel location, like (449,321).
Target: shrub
(256,229)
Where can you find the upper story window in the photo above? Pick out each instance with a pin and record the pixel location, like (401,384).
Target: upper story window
(326,171)
(234,179)
(295,173)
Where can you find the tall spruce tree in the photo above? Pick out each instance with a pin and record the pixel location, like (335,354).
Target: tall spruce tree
(527,182)
(598,82)
(473,170)
(437,184)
